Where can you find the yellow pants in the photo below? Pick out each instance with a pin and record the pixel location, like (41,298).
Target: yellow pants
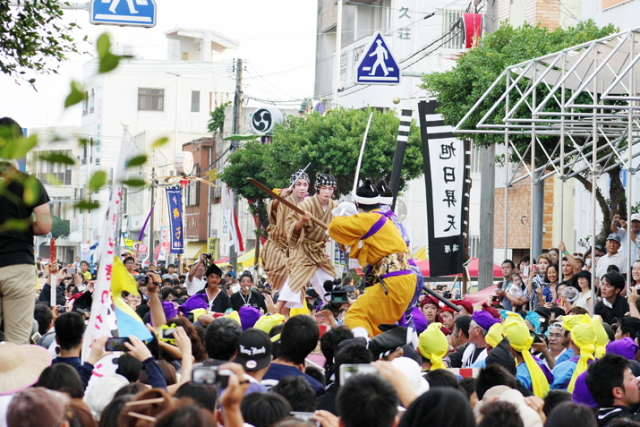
(374,308)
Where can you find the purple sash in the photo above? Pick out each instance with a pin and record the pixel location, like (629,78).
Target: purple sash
(376,227)
(397,273)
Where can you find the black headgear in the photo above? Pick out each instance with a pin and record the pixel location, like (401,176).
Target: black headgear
(325,178)
(367,194)
(213,269)
(386,195)
(299,174)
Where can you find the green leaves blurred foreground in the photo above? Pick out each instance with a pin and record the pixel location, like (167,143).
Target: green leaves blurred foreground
(15,147)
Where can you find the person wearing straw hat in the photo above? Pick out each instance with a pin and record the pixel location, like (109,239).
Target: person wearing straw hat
(21,366)
(528,372)
(583,342)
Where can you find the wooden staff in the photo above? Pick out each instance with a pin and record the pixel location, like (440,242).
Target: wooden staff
(285,202)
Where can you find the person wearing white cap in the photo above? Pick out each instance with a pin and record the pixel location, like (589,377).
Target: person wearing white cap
(619,226)
(613,257)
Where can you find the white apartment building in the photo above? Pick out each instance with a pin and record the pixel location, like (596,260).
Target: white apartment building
(151,99)
(62,183)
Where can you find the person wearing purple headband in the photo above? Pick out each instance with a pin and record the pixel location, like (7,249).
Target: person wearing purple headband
(476,351)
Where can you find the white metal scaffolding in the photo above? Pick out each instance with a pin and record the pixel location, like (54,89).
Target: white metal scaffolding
(586,96)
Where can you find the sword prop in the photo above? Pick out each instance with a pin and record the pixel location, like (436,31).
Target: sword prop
(285,202)
(364,142)
(299,174)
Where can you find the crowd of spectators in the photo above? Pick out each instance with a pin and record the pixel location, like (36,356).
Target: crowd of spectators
(221,354)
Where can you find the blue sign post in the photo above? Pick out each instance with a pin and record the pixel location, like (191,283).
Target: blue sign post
(136,13)
(377,65)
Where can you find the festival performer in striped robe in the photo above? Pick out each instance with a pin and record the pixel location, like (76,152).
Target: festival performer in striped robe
(275,253)
(375,240)
(307,259)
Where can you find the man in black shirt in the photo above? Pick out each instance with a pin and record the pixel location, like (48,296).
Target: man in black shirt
(24,213)
(247,296)
(614,388)
(217,300)
(613,306)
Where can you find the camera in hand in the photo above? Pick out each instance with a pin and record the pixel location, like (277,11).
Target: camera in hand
(168,334)
(208,256)
(211,375)
(335,297)
(116,344)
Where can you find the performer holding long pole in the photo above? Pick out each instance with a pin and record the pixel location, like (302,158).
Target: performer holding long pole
(307,240)
(275,253)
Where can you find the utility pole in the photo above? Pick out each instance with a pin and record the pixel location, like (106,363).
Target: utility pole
(336,64)
(487,190)
(237,119)
(151,229)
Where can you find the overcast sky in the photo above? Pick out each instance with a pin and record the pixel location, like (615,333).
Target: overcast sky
(276,37)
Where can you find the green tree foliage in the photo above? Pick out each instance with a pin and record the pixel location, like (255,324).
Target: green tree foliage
(217,118)
(59,227)
(461,87)
(332,141)
(34,37)
(13,146)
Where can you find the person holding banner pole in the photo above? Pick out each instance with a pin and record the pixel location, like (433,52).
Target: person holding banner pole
(376,241)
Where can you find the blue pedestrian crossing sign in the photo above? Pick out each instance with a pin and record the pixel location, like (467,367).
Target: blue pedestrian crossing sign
(136,13)
(377,65)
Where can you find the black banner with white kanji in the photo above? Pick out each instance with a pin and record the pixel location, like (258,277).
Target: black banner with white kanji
(446,173)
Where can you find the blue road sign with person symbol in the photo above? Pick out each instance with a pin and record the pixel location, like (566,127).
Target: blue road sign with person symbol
(136,13)
(377,65)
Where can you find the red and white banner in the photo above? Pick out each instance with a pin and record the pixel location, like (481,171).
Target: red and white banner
(103,317)
(236,234)
(465,372)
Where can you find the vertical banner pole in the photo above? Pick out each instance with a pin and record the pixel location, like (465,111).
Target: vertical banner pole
(398,158)
(364,143)
(465,213)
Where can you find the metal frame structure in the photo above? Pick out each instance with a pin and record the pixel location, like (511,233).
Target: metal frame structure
(587,95)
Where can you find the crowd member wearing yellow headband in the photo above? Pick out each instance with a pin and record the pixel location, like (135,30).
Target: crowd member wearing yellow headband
(528,372)
(432,346)
(583,343)
(602,338)
(495,335)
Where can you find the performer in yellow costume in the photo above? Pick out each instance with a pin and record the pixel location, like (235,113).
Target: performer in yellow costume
(307,259)
(275,253)
(375,240)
